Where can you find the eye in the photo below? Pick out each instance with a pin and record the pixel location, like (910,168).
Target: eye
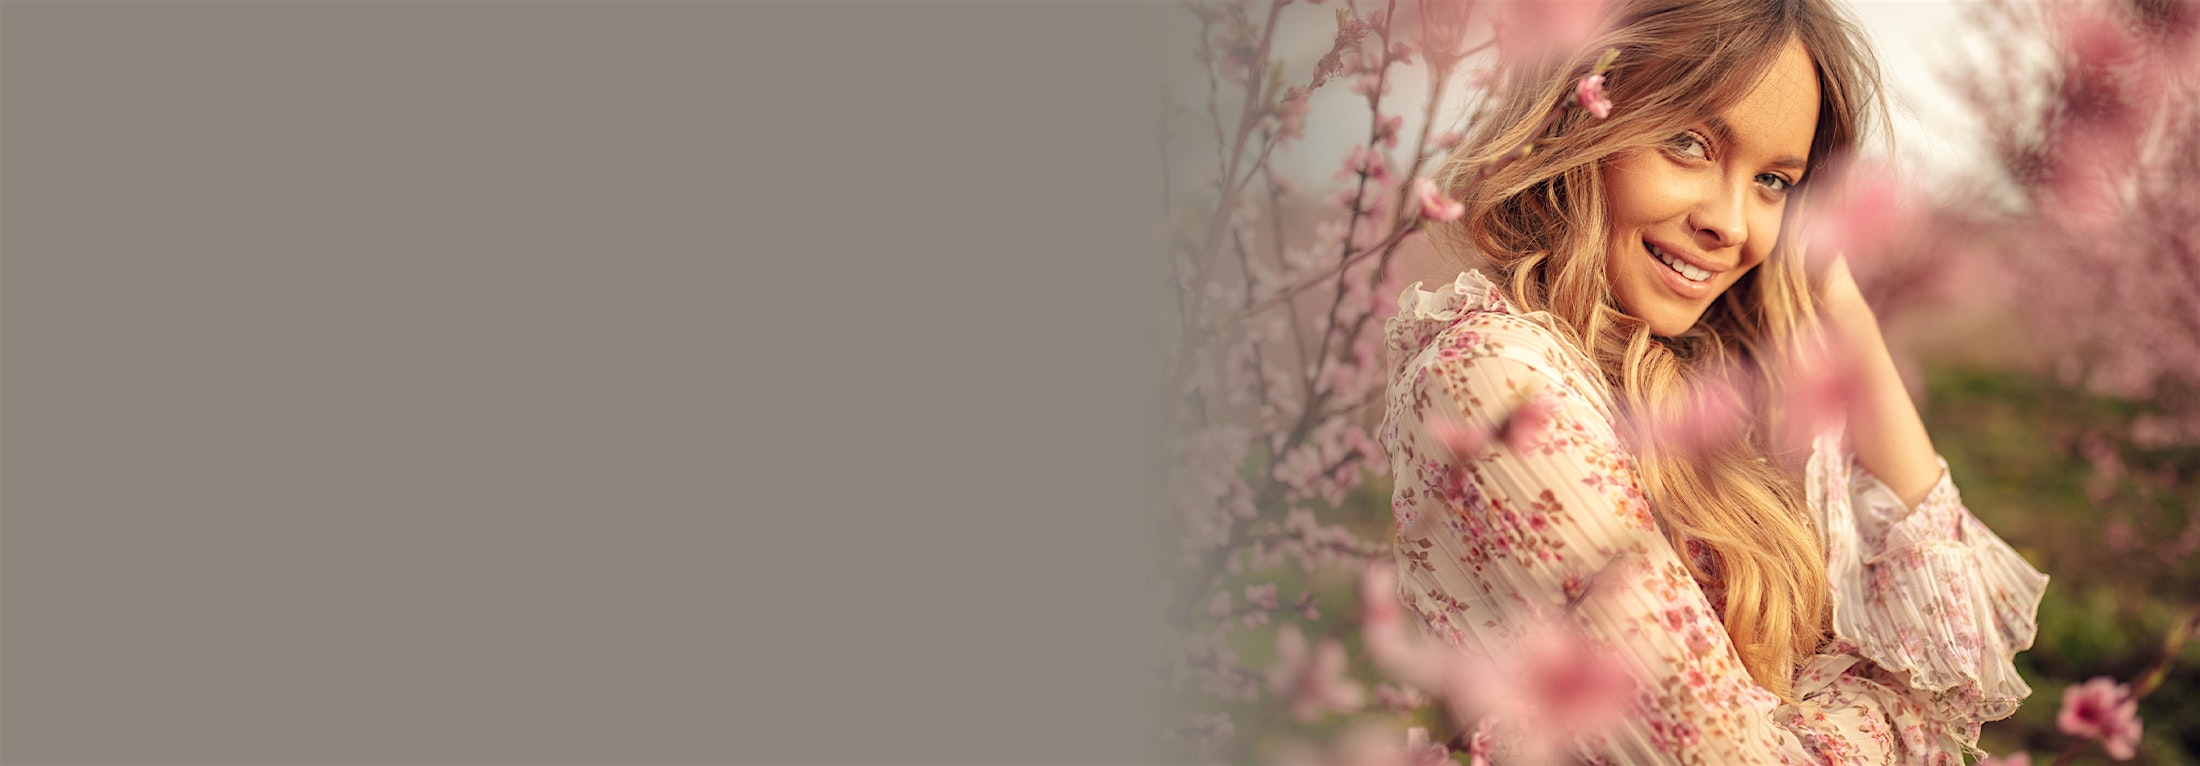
(1775,182)
(1690,145)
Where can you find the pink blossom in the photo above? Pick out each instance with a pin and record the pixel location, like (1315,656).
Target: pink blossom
(1552,683)
(1421,752)
(1372,85)
(1462,440)
(1313,681)
(1444,31)
(1386,130)
(1572,683)
(1347,200)
(1482,741)
(1589,93)
(1402,52)
(1449,140)
(1400,699)
(1423,664)
(2104,710)
(1527,422)
(1363,161)
(1434,205)
(2013,759)
(1874,212)
(1526,29)
(1262,596)
(1825,387)
(2118,536)
(1291,112)
(1715,413)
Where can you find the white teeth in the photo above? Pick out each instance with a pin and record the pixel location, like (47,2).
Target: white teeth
(1692,273)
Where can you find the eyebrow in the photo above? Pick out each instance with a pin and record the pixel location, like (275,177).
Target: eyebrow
(1725,134)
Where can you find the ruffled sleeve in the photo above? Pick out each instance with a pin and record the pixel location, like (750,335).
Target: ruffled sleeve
(1938,601)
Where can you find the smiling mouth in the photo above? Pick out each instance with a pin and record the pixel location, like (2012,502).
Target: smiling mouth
(1679,266)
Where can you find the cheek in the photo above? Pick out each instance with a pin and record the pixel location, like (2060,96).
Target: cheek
(1765,236)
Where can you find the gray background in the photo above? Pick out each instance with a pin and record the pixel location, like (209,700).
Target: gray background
(576,382)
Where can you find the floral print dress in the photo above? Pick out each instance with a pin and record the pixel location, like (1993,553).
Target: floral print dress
(1929,606)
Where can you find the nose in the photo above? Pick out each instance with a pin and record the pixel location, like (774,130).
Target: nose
(1720,217)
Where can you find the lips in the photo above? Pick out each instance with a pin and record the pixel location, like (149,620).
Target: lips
(1689,268)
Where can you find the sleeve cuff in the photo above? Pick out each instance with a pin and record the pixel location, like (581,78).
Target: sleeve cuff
(1928,592)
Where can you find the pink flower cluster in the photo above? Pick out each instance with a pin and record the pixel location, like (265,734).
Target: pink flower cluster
(1550,686)
(2101,709)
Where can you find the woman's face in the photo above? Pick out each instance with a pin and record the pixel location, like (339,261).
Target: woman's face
(1709,201)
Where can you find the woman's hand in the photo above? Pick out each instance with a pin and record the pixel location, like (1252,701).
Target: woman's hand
(1884,429)
(1842,302)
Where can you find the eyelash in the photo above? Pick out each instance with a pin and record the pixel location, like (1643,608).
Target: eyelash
(1693,140)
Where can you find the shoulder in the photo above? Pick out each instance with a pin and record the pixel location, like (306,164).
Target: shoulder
(1504,350)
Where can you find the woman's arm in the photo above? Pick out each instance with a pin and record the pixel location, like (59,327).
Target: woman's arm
(1884,429)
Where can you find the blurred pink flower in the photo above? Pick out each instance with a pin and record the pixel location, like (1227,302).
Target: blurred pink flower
(2104,710)
(1480,744)
(1434,205)
(1386,130)
(1463,440)
(1824,387)
(2013,759)
(1313,681)
(1444,32)
(1571,683)
(1421,752)
(1417,662)
(1550,686)
(1448,140)
(2118,536)
(1875,211)
(1716,412)
(1528,28)
(1527,422)
(1370,163)
(1400,699)
(1589,93)
(1402,52)
(1291,113)
(1371,85)
(1262,596)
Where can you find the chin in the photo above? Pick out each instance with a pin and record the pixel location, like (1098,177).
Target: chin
(1667,327)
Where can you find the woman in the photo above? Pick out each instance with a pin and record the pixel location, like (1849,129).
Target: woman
(1778,591)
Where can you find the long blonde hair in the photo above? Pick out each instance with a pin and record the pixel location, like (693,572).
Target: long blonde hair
(1539,220)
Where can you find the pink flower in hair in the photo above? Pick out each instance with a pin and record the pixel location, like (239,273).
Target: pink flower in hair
(2104,710)
(1434,205)
(1589,93)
